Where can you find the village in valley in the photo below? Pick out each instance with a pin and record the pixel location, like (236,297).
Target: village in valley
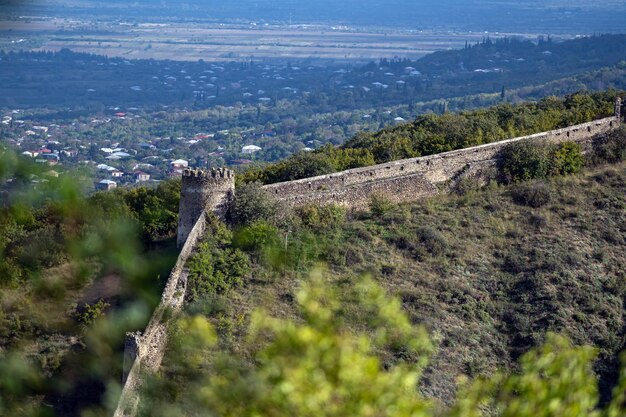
(109,163)
(259,118)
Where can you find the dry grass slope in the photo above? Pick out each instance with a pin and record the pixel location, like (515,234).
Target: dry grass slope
(488,273)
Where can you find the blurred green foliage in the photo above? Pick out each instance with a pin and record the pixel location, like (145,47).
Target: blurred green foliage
(74,277)
(317,366)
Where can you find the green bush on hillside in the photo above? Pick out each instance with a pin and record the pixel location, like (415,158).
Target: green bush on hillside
(566,158)
(252,203)
(380,205)
(523,161)
(536,194)
(216,267)
(610,148)
(527,160)
(328,216)
(431,241)
(256,236)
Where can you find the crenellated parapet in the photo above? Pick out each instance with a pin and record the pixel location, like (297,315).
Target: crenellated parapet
(215,173)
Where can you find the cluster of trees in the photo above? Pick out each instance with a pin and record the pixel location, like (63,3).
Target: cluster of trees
(431,134)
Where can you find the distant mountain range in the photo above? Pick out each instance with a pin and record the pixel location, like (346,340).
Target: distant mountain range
(528,16)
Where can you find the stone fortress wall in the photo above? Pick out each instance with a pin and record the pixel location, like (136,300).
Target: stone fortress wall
(202,191)
(409,179)
(399,181)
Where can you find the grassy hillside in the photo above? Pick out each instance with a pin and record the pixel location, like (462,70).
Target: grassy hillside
(487,273)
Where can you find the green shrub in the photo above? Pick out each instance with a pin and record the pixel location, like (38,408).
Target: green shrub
(537,194)
(256,237)
(380,205)
(527,160)
(524,160)
(214,270)
(10,274)
(432,241)
(252,203)
(467,186)
(89,313)
(329,216)
(216,267)
(566,158)
(610,148)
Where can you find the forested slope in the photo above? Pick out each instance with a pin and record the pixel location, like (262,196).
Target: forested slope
(430,134)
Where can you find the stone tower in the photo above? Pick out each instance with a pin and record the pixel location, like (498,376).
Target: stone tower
(618,109)
(203,190)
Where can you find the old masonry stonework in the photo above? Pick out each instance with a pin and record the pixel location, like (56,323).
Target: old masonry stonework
(399,181)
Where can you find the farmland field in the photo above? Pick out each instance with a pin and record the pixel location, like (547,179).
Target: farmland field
(212,42)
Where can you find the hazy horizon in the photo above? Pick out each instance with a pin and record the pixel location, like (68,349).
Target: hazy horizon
(557,16)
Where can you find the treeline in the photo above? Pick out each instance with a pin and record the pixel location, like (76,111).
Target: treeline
(432,134)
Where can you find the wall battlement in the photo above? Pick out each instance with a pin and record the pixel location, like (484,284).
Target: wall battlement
(206,174)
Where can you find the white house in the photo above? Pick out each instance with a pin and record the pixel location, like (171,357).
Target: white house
(249,149)
(178,165)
